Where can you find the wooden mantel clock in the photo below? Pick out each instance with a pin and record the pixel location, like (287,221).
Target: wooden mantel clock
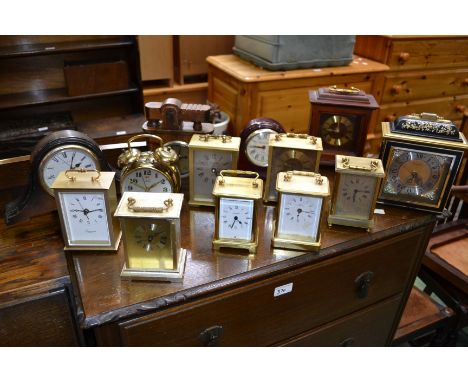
(341,117)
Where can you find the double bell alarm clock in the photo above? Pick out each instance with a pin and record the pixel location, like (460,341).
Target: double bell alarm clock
(208,155)
(341,117)
(253,153)
(299,213)
(288,152)
(237,205)
(150,171)
(86,201)
(421,154)
(152,238)
(356,186)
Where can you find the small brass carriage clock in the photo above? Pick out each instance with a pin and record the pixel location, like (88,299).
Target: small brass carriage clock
(301,196)
(151,230)
(355,191)
(288,152)
(86,202)
(208,155)
(150,171)
(421,154)
(237,200)
(341,117)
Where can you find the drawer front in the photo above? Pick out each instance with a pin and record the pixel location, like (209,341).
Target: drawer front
(424,85)
(252,315)
(418,53)
(368,327)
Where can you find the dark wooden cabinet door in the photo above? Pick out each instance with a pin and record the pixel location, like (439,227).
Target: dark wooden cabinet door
(45,320)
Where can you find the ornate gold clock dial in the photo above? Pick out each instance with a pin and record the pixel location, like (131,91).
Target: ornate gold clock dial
(151,237)
(337,130)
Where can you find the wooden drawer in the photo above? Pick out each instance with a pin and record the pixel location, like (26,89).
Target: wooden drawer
(251,315)
(424,84)
(368,327)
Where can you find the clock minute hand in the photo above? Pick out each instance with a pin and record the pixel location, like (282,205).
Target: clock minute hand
(154,184)
(97,209)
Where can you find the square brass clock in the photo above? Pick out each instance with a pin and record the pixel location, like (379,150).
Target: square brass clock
(302,196)
(355,191)
(151,231)
(288,152)
(86,201)
(341,117)
(237,205)
(421,155)
(208,155)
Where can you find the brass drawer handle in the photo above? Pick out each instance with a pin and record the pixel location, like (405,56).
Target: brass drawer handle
(396,89)
(210,336)
(362,283)
(403,57)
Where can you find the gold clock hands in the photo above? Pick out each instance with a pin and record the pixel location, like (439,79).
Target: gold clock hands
(139,186)
(154,184)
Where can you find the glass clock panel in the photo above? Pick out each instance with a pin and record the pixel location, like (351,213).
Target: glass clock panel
(206,167)
(85,218)
(299,217)
(66,159)
(337,130)
(256,148)
(235,218)
(285,159)
(416,176)
(355,195)
(149,244)
(146,180)
(182,150)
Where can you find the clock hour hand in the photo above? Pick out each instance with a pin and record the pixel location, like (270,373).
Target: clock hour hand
(139,186)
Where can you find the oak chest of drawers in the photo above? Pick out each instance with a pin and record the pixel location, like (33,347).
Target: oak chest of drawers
(427,74)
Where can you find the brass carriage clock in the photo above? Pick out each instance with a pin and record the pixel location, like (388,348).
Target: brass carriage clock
(86,201)
(288,152)
(150,171)
(208,155)
(341,117)
(421,154)
(237,205)
(152,239)
(301,198)
(355,191)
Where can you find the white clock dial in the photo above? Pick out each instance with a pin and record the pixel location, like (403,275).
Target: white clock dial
(85,217)
(146,180)
(62,159)
(299,217)
(235,218)
(355,195)
(206,167)
(256,147)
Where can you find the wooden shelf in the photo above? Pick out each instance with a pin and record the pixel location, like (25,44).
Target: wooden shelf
(63,47)
(53,96)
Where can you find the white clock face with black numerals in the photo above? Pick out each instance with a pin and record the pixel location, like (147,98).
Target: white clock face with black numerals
(235,218)
(65,158)
(85,218)
(299,217)
(146,180)
(206,167)
(256,147)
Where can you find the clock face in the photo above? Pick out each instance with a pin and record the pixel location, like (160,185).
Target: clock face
(64,158)
(235,218)
(146,180)
(206,167)
(256,148)
(299,217)
(285,159)
(182,150)
(85,218)
(415,175)
(355,195)
(337,130)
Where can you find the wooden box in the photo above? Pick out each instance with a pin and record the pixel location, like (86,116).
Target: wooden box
(98,77)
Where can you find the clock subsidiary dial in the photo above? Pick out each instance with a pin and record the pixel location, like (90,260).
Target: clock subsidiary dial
(235,218)
(146,180)
(300,216)
(355,195)
(256,148)
(337,130)
(207,166)
(64,158)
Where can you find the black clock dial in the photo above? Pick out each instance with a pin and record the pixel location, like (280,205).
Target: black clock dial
(337,130)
